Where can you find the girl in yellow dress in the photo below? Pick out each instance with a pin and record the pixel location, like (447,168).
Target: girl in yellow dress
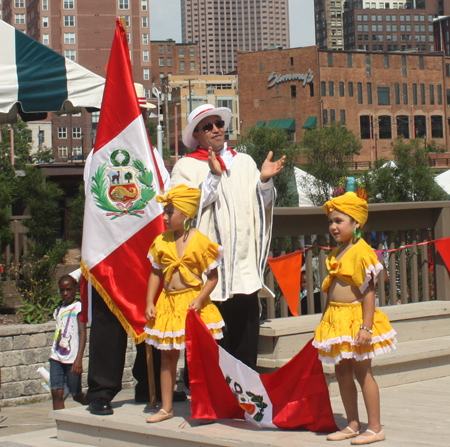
(179,256)
(353,330)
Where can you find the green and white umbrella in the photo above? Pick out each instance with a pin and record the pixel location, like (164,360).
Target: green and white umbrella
(35,79)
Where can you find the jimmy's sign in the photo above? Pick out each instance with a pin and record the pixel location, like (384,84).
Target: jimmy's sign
(278,79)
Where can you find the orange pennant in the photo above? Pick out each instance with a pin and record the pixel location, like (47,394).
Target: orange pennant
(443,247)
(288,272)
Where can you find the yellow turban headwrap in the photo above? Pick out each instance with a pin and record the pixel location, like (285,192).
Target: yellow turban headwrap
(184,198)
(349,204)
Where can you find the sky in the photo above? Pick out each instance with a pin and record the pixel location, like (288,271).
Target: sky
(165,21)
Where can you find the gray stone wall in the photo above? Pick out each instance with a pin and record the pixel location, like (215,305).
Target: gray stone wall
(26,347)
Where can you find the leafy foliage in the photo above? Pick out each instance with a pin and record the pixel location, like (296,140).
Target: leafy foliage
(257,142)
(329,152)
(75,216)
(409,180)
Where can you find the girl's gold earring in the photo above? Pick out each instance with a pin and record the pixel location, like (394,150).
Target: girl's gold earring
(187,224)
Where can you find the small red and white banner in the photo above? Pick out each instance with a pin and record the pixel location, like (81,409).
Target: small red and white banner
(121,216)
(294,397)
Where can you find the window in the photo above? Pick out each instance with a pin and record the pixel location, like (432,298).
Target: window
(191,51)
(161,49)
(385,128)
(19,19)
(69,21)
(369,93)
(44,22)
(181,54)
(403,126)
(76,133)
(323,88)
(144,5)
(293,91)
(44,5)
(62,132)
(414,87)
(146,74)
(77,151)
(383,96)
(341,89)
(330,59)
(365,123)
(421,62)
(70,54)
(404,66)
(144,22)
(182,66)
(63,152)
(124,4)
(46,39)
(145,56)
(169,49)
(331,88)
(386,61)
(439,94)
(192,65)
(422,93)
(19,3)
(325,117)
(69,4)
(127,21)
(360,96)
(405,93)
(144,39)
(69,38)
(437,127)
(368,65)
(420,123)
(311,89)
(161,62)
(332,115)
(343,116)
(350,89)
(447,70)
(349,60)
(432,94)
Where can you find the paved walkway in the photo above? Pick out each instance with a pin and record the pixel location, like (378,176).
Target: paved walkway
(413,415)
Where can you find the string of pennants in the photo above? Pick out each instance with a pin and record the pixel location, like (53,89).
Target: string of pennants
(287,268)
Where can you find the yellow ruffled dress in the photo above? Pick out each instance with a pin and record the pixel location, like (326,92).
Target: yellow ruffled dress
(335,335)
(167,330)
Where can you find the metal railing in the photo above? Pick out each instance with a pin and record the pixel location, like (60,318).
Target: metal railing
(413,274)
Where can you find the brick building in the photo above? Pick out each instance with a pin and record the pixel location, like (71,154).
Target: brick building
(379,96)
(83,31)
(170,59)
(221,27)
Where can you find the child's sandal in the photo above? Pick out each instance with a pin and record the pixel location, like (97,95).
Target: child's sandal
(162,415)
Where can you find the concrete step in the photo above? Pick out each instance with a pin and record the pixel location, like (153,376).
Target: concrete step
(412,361)
(283,338)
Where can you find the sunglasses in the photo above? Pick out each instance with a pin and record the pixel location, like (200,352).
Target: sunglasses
(208,127)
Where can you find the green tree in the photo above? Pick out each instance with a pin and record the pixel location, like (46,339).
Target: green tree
(151,129)
(257,142)
(328,152)
(75,216)
(22,144)
(409,180)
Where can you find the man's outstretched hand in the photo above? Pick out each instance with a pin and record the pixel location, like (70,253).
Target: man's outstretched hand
(271,168)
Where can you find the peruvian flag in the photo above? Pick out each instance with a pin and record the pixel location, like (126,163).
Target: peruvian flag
(121,216)
(294,397)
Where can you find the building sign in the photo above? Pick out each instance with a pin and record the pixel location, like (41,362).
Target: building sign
(278,79)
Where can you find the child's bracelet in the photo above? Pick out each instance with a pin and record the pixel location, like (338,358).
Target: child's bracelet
(363,328)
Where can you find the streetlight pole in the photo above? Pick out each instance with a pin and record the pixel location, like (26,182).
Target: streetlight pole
(157,93)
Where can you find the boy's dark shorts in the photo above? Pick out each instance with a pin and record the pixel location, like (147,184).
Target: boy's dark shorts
(60,374)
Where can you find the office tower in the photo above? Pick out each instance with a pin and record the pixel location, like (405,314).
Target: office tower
(221,27)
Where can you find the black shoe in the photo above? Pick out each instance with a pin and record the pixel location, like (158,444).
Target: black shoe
(178,396)
(101,407)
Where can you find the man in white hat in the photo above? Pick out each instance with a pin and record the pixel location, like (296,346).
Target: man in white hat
(236,212)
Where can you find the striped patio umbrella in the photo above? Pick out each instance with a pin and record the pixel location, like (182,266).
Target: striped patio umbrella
(35,79)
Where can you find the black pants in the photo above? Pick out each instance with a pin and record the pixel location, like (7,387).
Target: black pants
(241,316)
(107,349)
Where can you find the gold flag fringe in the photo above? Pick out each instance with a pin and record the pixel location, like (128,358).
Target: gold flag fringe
(112,306)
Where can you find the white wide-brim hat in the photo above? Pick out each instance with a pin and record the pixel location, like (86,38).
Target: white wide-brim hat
(140,93)
(197,115)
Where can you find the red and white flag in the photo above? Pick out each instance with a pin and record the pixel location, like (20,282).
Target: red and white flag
(294,397)
(121,216)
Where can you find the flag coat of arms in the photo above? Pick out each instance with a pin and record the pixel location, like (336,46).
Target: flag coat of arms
(293,397)
(121,216)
